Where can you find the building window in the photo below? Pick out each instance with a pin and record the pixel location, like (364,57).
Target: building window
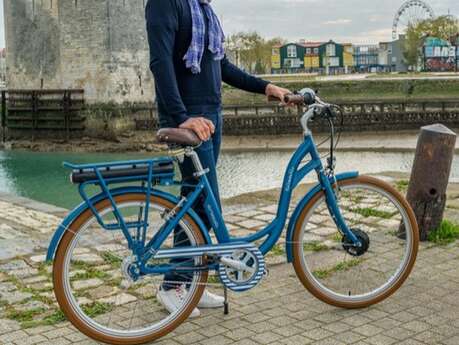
(316,51)
(331,50)
(308,51)
(291,51)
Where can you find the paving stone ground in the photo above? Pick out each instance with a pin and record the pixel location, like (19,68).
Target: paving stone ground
(278,311)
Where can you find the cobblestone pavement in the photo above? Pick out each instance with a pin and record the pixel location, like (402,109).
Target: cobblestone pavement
(279,311)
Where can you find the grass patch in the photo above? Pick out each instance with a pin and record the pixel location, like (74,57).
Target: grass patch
(447,232)
(90,274)
(278,250)
(23,315)
(53,319)
(115,282)
(96,309)
(336,237)
(340,267)
(81,265)
(402,185)
(371,212)
(111,259)
(214,279)
(43,269)
(314,246)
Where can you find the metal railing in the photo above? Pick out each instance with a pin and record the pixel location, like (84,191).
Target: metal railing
(268,118)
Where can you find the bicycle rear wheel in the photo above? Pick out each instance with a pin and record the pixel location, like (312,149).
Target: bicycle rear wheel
(90,280)
(340,275)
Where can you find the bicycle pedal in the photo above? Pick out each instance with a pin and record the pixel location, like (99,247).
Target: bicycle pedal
(266,273)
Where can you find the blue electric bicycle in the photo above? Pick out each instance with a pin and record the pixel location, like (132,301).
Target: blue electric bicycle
(352,239)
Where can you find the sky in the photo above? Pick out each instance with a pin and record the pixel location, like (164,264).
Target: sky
(354,21)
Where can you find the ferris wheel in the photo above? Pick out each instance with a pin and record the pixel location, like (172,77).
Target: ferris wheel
(411,13)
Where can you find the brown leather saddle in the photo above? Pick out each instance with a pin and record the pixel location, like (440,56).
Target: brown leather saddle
(178,136)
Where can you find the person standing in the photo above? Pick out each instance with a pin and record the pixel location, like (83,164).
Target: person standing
(188,62)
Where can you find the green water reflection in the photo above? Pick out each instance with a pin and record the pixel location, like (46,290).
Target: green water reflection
(41,176)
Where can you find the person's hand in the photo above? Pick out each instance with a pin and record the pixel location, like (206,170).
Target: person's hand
(203,127)
(277,92)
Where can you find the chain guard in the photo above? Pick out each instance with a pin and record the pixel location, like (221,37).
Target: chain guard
(243,280)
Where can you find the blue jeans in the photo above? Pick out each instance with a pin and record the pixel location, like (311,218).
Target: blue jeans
(208,153)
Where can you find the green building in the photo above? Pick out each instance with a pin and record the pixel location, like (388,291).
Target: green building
(331,57)
(308,57)
(288,58)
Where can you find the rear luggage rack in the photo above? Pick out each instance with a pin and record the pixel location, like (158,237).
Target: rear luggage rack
(148,172)
(161,171)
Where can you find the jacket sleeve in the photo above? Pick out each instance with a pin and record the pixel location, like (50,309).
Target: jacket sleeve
(234,76)
(162,25)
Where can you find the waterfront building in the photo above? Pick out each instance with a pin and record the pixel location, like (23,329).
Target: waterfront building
(384,57)
(312,57)
(438,55)
(348,57)
(331,58)
(288,58)
(396,55)
(338,58)
(366,58)
(308,57)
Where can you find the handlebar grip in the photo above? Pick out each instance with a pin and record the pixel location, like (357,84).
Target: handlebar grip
(274,99)
(291,98)
(294,99)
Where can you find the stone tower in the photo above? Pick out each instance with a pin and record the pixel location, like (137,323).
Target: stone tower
(98,45)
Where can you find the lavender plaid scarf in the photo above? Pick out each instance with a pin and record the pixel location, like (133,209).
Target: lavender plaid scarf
(195,52)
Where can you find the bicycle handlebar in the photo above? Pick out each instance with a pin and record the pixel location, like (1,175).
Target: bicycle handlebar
(297,99)
(290,99)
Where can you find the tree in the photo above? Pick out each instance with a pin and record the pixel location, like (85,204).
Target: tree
(251,51)
(443,27)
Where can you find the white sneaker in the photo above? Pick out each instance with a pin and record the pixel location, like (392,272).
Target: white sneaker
(173,299)
(210,300)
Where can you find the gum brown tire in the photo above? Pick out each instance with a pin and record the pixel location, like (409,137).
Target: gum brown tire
(58,276)
(297,246)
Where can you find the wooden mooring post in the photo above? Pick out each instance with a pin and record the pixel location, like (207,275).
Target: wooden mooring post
(430,176)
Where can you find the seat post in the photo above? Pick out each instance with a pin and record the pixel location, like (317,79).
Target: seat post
(189,152)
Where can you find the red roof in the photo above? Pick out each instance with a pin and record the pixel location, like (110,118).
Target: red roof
(311,44)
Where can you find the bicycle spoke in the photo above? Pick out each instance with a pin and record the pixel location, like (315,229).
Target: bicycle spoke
(99,286)
(366,210)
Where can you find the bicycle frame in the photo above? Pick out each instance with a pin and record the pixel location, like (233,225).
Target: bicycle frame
(294,175)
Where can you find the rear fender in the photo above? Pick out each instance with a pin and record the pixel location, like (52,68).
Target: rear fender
(78,211)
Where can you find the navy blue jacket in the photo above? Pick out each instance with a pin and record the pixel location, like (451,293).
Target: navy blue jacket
(180,92)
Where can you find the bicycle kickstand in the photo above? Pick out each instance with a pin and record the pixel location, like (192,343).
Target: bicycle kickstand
(226,303)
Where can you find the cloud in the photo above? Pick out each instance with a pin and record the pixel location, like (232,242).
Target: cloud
(338,22)
(363,21)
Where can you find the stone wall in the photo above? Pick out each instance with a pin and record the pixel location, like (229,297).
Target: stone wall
(98,45)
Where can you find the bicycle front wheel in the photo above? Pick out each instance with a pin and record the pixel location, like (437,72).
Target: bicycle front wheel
(90,271)
(338,273)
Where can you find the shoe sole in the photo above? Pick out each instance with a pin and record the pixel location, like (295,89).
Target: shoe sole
(158,296)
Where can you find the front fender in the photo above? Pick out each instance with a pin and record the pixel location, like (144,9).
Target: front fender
(301,205)
(75,213)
